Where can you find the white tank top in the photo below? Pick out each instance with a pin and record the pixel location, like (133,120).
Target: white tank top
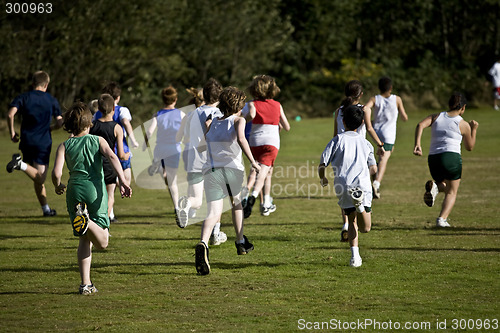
(340,125)
(223,150)
(446,136)
(385,115)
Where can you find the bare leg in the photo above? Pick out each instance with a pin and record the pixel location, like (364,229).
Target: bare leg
(94,235)
(110,188)
(251,179)
(237,214)
(361,222)
(261,177)
(214,212)
(128,174)
(84,259)
(170,176)
(38,173)
(382,164)
(195,195)
(450,196)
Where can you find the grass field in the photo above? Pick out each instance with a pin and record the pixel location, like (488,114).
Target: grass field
(298,274)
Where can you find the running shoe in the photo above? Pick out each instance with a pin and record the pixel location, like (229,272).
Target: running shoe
(431,191)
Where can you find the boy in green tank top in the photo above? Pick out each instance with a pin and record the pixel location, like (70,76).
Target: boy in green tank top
(86,197)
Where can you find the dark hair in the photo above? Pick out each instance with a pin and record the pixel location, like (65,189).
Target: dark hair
(353,90)
(106,104)
(263,87)
(353,116)
(169,95)
(211,91)
(113,89)
(197,96)
(456,101)
(384,84)
(77,118)
(231,100)
(40,78)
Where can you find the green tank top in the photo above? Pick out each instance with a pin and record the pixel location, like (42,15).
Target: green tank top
(84,159)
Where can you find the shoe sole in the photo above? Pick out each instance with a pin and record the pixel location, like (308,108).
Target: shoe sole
(81,221)
(201,258)
(13,162)
(183,217)
(428,199)
(344,236)
(247,211)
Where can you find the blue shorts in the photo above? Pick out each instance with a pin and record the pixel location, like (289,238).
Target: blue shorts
(126,164)
(35,154)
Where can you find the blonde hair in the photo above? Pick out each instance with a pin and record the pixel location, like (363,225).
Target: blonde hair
(197,96)
(264,87)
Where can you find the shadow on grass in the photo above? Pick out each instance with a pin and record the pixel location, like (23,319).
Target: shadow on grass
(39,220)
(434,249)
(4,237)
(37,293)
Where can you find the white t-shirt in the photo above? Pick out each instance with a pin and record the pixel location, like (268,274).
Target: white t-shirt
(348,154)
(385,114)
(495,74)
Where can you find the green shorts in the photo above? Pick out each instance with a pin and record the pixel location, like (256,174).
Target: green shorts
(96,198)
(445,166)
(388,146)
(221,182)
(194,178)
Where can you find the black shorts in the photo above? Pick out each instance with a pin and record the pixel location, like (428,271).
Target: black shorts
(36,154)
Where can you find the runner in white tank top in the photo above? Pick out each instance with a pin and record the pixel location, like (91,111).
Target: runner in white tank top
(445,134)
(385,113)
(445,161)
(386,109)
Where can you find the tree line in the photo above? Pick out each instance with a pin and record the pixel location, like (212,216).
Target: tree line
(312,47)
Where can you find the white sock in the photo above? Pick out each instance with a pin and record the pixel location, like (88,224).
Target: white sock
(255,194)
(46,208)
(241,241)
(23,166)
(376,184)
(267,200)
(216,229)
(112,214)
(355,251)
(346,226)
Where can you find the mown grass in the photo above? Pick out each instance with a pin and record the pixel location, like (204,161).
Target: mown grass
(146,278)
